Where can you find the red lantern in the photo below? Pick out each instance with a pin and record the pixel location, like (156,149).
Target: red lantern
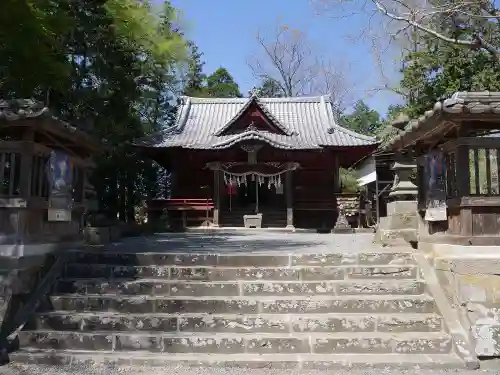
(232,189)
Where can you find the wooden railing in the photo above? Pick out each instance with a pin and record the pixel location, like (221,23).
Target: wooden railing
(178,209)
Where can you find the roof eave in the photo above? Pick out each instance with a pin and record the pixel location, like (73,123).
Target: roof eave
(459,104)
(252,135)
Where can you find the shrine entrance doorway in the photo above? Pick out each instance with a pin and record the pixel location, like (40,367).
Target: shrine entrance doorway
(248,189)
(255,197)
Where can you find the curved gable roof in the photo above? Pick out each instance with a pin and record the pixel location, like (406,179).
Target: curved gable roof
(254,99)
(307,123)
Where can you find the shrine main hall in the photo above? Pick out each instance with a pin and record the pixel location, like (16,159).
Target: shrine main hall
(270,162)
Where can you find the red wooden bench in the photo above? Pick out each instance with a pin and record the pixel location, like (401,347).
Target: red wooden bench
(184,205)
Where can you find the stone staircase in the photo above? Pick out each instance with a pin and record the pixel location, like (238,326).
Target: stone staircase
(253,310)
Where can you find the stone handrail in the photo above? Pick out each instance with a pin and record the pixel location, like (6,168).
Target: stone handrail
(22,316)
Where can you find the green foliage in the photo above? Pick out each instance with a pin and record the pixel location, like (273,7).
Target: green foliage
(220,84)
(348,180)
(440,69)
(30,49)
(270,88)
(137,25)
(362,119)
(386,132)
(195,78)
(435,69)
(109,65)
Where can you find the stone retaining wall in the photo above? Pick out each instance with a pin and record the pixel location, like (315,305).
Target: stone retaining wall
(17,277)
(470,277)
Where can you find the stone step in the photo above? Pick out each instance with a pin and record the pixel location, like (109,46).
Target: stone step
(235,323)
(297,273)
(238,288)
(368,343)
(261,259)
(245,305)
(86,359)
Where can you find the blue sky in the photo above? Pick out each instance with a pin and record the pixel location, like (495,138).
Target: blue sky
(225,32)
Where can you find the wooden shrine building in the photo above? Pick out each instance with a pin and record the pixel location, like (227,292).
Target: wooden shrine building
(456,147)
(44,168)
(255,161)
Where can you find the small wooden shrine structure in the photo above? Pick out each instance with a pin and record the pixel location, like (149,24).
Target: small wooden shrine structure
(255,161)
(44,166)
(457,149)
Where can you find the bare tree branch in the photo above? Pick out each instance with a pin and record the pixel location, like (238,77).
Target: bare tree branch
(287,57)
(386,82)
(427,17)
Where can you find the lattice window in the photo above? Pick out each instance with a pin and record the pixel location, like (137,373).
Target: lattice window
(10,172)
(39,177)
(483,171)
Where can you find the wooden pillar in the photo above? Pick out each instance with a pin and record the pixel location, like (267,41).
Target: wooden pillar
(85,175)
(216,197)
(463,171)
(463,187)
(289,199)
(336,174)
(27,163)
(20,215)
(336,187)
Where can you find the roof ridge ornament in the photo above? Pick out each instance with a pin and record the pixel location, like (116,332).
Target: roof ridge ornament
(251,127)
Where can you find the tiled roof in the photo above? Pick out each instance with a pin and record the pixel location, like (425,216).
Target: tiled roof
(460,103)
(17,109)
(307,123)
(26,109)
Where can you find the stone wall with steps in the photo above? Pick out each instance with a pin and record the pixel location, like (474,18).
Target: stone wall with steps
(306,310)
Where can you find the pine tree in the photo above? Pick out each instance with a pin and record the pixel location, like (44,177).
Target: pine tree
(221,84)
(195,79)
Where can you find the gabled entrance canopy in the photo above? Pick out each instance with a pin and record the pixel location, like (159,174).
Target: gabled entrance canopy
(253,116)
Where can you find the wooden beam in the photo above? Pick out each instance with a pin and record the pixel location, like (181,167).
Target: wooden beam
(77,159)
(483,142)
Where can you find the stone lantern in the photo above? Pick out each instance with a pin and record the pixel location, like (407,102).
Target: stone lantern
(403,189)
